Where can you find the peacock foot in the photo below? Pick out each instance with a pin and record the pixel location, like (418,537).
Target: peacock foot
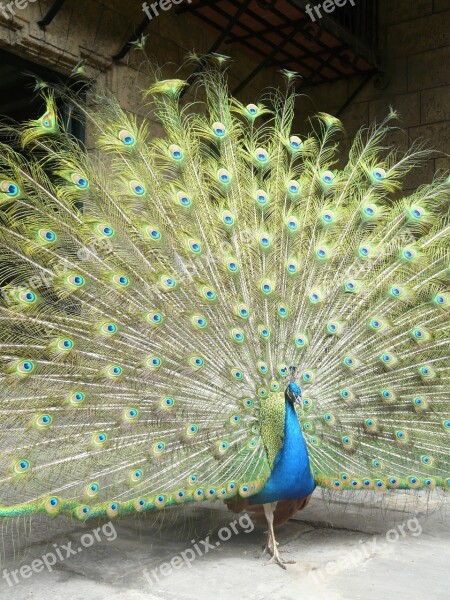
(278,560)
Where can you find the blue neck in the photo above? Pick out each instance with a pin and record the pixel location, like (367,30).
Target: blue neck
(291,474)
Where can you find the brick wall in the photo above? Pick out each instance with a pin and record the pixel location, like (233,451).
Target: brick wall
(415,54)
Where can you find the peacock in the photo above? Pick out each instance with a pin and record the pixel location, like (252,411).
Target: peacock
(223,311)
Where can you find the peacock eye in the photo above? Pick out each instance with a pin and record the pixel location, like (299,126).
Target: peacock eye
(25,367)
(76,281)
(261,198)
(137,188)
(183,199)
(252,109)
(293,187)
(80,181)
(328,177)
(48,121)
(176,152)
(261,155)
(126,137)
(21,466)
(10,188)
(219,129)
(295,142)
(224,176)
(228,218)
(106,230)
(379,174)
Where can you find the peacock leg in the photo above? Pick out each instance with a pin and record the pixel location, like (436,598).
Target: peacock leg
(272,544)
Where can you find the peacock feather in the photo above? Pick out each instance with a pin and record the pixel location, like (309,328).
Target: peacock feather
(155,293)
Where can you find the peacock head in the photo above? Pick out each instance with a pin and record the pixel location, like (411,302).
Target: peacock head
(293,393)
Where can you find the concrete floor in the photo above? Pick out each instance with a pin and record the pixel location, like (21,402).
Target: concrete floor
(362,547)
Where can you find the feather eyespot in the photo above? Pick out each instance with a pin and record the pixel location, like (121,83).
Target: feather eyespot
(261,155)
(168,283)
(328,177)
(262,198)
(208,293)
(416,212)
(76,281)
(370,211)
(92,490)
(199,321)
(46,235)
(237,374)
(152,232)
(108,329)
(283,311)
(48,121)
(196,362)
(137,188)
(130,414)
(136,475)
(27,297)
(25,367)
(184,199)
(159,447)
(295,142)
(176,152)
(442,300)
(265,241)
(228,218)
(378,174)
(263,367)
(43,421)
(316,296)
(293,224)
(21,466)
(243,311)
(293,187)
(328,217)
(52,505)
(121,280)
(76,398)
(219,129)
(266,287)
(224,176)
(80,181)
(10,188)
(237,335)
(126,137)
(232,265)
(252,110)
(154,318)
(100,439)
(113,371)
(153,363)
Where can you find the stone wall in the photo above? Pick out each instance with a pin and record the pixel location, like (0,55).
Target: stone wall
(414,51)
(95,30)
(415,55)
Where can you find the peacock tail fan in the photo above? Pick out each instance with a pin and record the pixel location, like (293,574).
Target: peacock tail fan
(155,292)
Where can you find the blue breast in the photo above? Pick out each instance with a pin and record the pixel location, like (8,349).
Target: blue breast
(291,474)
